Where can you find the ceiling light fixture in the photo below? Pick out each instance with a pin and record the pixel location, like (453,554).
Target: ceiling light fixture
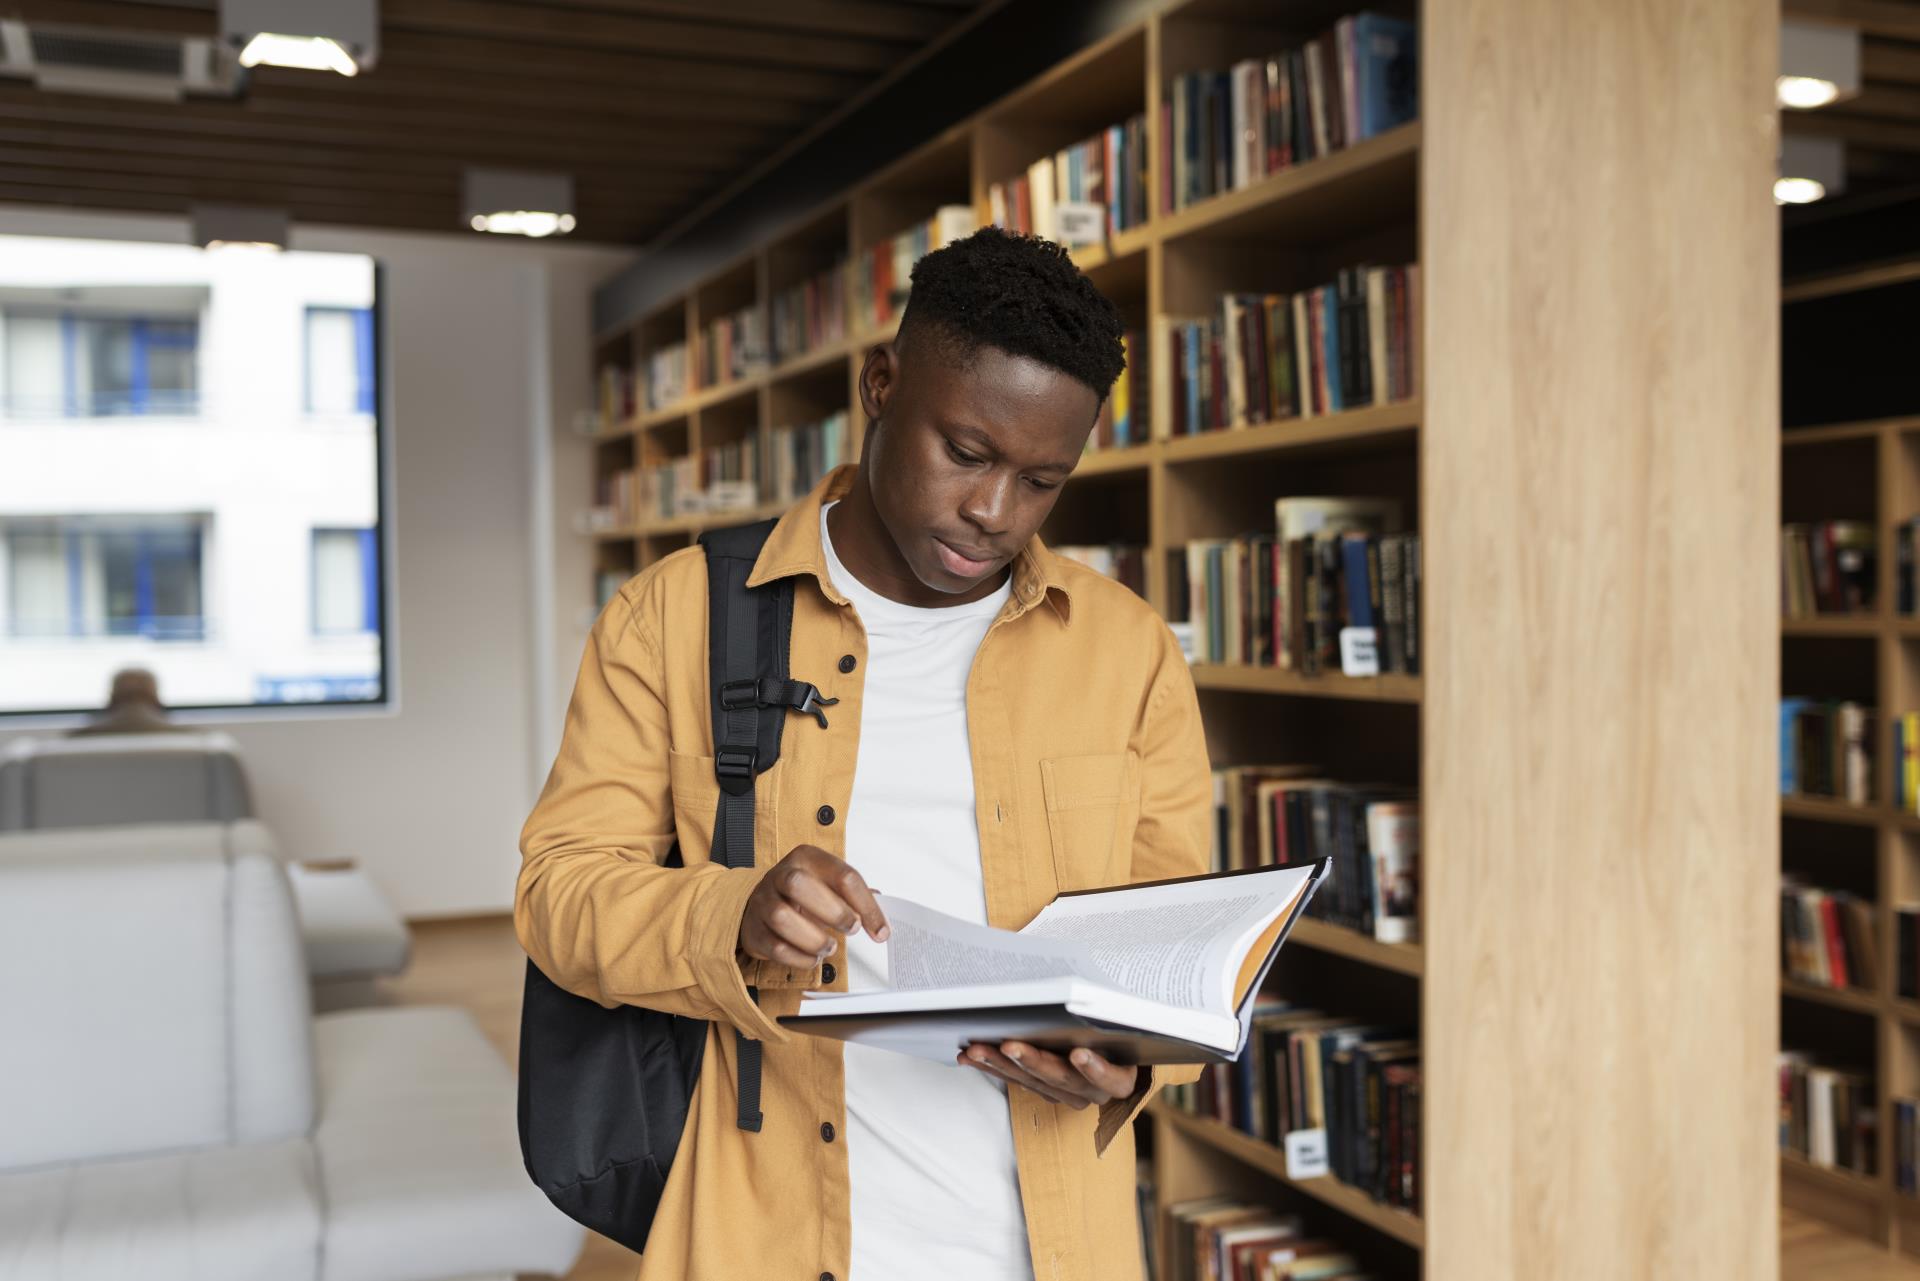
(513,202)
(342,36)
(1810,169)
(240,226)
(1818,65)
(310,53)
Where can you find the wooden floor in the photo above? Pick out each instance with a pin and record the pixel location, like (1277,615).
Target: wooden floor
(478,964)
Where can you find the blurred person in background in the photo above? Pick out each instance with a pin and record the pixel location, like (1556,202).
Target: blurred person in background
(133,707)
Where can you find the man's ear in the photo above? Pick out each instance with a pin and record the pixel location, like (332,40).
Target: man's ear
(879,378)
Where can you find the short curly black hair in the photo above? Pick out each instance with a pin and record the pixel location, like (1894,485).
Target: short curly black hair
(1020,294)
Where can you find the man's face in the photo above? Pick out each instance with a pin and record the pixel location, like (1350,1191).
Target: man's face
(969,457)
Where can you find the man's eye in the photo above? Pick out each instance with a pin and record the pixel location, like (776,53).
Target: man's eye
(1041,485)
(960,455)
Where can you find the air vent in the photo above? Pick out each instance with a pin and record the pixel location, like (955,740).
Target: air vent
(119,64)
(126,54)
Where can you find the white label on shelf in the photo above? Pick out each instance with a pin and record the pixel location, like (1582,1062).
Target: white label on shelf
(1079,222)
(1359,655)
(1306,1154)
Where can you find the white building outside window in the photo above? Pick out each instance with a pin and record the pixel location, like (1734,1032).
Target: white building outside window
(188,475)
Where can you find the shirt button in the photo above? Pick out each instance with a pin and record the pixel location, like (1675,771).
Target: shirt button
(825,815)
(826,1276)
(828,973)
(826,1131)
(848,662)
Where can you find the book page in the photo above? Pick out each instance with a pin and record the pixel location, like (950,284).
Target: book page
(931,949)
(1183,943)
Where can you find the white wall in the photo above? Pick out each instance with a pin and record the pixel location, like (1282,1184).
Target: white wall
(488,358)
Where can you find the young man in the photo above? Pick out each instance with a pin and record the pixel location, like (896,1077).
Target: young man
(1010,725)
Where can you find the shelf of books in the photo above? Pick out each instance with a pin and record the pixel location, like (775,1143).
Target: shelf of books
(1850,797)
(1246,193)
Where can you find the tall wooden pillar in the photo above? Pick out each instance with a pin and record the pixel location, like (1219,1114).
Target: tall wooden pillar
(1601,501)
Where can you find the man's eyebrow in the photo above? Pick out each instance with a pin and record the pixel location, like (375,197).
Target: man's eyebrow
(977,439)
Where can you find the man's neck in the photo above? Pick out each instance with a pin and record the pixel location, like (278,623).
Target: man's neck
(866,548)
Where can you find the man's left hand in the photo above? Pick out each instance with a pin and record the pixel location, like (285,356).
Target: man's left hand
(1083,1078)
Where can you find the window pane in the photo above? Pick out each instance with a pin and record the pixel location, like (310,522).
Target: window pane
(108,345)
(119,554)
(174,558)
(173,354)
(37,584)
(35,377)
(333,385)
(339,602)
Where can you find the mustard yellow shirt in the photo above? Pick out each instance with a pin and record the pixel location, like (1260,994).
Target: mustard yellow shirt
(1090,769)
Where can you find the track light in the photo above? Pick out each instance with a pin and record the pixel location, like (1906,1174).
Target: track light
(341,36)
(1818,65)
(513,202)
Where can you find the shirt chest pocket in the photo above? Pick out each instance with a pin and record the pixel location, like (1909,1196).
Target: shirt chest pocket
(1093,803)
(696,796)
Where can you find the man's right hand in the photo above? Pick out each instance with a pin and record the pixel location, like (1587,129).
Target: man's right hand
(802,905)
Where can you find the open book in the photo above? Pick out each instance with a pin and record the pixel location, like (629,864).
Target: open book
(1162,972)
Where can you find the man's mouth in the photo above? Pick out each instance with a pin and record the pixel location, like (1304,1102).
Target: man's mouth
(970,563)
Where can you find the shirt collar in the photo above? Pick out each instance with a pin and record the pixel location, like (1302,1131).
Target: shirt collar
(794,548)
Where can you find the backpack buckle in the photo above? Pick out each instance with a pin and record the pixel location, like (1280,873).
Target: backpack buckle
(736,765)
(810,702)
(736,695)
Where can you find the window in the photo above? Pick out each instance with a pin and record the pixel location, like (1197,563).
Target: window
(81,577)
(339,360)
(190,477)
(79,365)
(346,582)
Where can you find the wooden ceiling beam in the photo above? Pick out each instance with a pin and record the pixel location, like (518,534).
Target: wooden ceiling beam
(471,146)
(868,19)
(607,142)
(633,72)
(603,189)
(872,19)
(1877,99)
(717,38)
(1882,134)
(56,140)
(262,189)
(1880,60)
(383,217)
(1891,18)
(410,91)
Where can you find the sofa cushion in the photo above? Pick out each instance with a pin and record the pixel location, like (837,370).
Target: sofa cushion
(219,1214)
(419,1156)
(177,1014)
(121,778)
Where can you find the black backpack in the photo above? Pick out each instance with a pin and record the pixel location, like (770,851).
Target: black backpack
(604,1093)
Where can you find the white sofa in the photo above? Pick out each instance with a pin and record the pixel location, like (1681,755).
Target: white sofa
(174,1112)
(352,933)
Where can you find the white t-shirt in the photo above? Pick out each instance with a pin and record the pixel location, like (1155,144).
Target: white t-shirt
(935,1193)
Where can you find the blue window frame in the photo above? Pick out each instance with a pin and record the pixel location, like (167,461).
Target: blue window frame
(339,360)
(121,580)
(109,366)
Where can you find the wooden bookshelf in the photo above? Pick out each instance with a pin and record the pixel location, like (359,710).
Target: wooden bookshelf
(1868,470)
(1375,202)
(1270,1161)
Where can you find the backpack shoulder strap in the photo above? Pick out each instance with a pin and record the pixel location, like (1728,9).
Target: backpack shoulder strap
(749,634)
